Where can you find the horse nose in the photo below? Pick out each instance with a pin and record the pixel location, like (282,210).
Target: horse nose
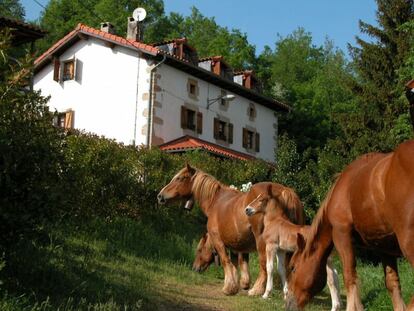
(160,198)
(249,211)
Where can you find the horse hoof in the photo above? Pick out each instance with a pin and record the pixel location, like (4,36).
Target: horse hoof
(265,296)
(245,285)
(255,292)
(230,290)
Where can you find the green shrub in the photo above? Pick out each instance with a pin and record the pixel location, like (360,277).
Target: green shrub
(30,153)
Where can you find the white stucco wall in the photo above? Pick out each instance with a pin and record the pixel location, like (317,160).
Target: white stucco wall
(104,98)
(108,101)
(174,94)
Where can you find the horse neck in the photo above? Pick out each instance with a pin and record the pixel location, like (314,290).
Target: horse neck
(206,189)
(318,235)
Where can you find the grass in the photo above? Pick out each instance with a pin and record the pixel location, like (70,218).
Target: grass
(127,265)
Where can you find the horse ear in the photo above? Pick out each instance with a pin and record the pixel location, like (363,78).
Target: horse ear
(300,241)
(190,169)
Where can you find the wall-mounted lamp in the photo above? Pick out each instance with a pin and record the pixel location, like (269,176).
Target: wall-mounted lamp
(228,97)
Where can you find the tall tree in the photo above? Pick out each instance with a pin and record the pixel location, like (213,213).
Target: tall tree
(62,16)
(311,79)
(12,8)
(377,65)
(211,39)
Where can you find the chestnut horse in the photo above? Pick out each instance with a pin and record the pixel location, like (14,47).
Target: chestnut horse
(227,224)
(279,235)
(371,203)
(206,255)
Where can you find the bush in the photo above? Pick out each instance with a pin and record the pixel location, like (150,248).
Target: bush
(30,153)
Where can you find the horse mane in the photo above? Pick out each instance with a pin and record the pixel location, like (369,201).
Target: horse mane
(314,228)
(205,187)
(292,206)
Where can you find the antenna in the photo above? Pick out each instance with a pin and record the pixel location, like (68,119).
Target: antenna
(139,14)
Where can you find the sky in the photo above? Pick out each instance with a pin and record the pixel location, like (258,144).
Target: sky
(264,20)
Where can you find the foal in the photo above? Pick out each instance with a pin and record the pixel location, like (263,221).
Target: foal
(280,237)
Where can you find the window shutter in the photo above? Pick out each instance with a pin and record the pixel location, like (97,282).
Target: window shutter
(230,135)
(183,117)
(69,119)
(199,122)
(77,69)
(244,137)
(257,142)
(56,72)
(216,128)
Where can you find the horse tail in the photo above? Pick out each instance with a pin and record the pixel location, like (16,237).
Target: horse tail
(293,206)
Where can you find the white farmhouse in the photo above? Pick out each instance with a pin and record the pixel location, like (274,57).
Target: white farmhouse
(156,95)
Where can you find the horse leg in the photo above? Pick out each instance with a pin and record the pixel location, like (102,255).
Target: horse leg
(281,268)
(333,284)
(231,286)
(259,285)
(270,257)
(392,282)
(244,270)
(343,244)
(407,248)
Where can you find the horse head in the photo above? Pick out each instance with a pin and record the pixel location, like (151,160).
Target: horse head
(180,187)
(258,205)
(205,254)
(306,275)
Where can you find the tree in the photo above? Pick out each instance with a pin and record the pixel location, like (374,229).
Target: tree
(12,8)
(311,79)
(211,39)
(30,152)
(377,65)
(62,16)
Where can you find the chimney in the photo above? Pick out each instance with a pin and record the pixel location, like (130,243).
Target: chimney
(108,27)
(134,30)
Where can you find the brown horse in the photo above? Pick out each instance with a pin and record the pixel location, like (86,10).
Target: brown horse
(227,224)
(279,235)
(206,255)
(371,203)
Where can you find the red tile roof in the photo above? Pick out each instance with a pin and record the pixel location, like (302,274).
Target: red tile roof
(83,29)
(172,60)
(186,143)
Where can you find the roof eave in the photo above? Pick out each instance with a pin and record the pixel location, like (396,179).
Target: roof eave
(227,84)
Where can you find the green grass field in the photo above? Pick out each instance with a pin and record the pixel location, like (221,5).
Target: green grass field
(126,265)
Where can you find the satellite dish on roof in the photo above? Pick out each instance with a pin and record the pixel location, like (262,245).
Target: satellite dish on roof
(139,14)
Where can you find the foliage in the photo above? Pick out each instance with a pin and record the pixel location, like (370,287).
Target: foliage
(378,64)
(30,152)
(312,80)
(12,9)
(61,16)
(211,39)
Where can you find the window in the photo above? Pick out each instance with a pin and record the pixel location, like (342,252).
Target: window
(192,88)
(251,140)
(223,130)
(192,120)
(64,119)
(68,70)
(251,111)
